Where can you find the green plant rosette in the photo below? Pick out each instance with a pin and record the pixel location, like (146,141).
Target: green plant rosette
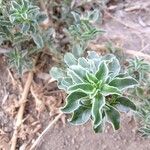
(95,89)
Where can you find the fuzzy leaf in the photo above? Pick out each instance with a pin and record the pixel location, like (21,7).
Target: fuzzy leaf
(91,78)
(125,103)
(81,115)
(109,90)
(69,59)
(84,87)
(38,40)
(57,73)
(123,83)
(98,103)
(72,101)
(114,117)
(102,72)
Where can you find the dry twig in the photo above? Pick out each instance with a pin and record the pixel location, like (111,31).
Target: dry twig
(45,131)
(21,110)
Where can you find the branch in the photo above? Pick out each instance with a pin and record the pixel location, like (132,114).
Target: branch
(21,111)
(45,131)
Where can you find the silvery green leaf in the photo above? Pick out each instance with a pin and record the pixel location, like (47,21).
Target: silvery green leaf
(57,73)
(69,59)
(77,50)
(114,67)
(79,71)
(94,15)
(98,103)
(125,103)
(67,82)
(74,76)
(93,55)
(5,23)
(84,87)
(102,72)
(91,78)
(15,5)
(72,101)
(113,116)
(110,90)
(25,28)
(38,40)
(123,83)
(83,62)
(81,115)
(76,16)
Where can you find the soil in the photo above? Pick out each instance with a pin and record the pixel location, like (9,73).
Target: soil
(127,24)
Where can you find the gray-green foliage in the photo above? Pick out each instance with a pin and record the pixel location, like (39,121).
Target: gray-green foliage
(95,89)
(140,69)
(143,114)
(20,20)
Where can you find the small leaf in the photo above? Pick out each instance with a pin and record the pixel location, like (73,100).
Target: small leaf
(57,73)
(78,50)
(79,72)
(91,78)
(67,82)
(72,101)
(38,40)
(15,5)
(102,73)
(69,59)
(109,90)
(81,115)
(114,117)
(126,103)
(85,87)
(25,27)
(98,103)
(83,62)
(123,83)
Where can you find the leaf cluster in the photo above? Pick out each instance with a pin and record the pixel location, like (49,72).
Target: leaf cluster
(95,89)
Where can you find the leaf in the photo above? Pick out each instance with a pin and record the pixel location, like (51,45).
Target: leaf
(77,72)
(98,103)
(38,40)
(5,23)
(78,50)
(76,16)
(72,101)
(85,87)
(25,27)
(69,59)
(109,90)
(15,5)
(94,16)
(91,78)
(125,103)
(83,62)
(81,115)
(113,116)
(102,73)
(92,55)
(123,83)
(67,82)
(57,73)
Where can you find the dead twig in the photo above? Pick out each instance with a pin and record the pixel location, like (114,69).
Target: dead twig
(21,111)
(45,131)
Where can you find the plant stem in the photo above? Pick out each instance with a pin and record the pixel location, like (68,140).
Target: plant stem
(21,111)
